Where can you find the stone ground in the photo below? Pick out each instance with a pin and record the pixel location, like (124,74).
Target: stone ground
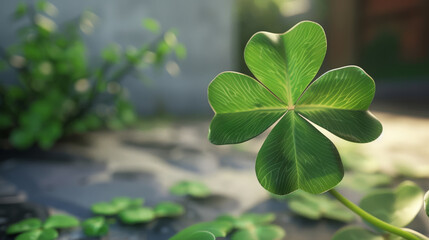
(146,161)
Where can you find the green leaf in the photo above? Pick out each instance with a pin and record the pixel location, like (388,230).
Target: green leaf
(151,25)
(356,233)
(247,220)
(244,108)
(191,188)
(342,112)
(38,234)
(286,63)
(105,208)
(397,207)
(318,206)
(268,232)
(215,228)
(168,209)
(21,10)
(296,155)
(5,121)
(364,181)
(180,51)
(426,203)
(137,215)
(24,225)
(126,202)
(21,138)
(202,235)
(95,227)
(61,221)
(112,53)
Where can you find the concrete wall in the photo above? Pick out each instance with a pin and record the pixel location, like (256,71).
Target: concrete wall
(206,27)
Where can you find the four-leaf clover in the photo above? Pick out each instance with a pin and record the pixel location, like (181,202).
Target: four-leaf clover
(295,154)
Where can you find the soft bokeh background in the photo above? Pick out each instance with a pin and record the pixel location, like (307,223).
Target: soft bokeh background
(387,38)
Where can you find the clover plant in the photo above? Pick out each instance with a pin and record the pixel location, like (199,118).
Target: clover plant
(131,210)
(95,226)
(250,226)
(32,228)
(56,92)
(283,92)
(316,207)
(190,188)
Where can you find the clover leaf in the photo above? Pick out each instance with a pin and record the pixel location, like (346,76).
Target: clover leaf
(24,225)
(395,206)
(116,205)
(61,221)
(426,203)
(248,219)
(356,233)
(267,232)
(317,207)
(104,208)
(204,230)
(191,188)
(39,234)
(95,227)
(295,154)
(168,209)
(137,215)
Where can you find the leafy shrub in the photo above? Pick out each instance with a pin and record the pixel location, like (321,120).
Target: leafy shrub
(56,91)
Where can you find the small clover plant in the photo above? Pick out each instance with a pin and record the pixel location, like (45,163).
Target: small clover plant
(190,188)
(295,155)
(250,226)
(131,210)
(397,207)
(95,226)
(316,207)
(33,229)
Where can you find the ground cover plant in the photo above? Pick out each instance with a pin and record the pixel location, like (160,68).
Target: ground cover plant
(295,155)
(56,92)
(34,229)
(129,211)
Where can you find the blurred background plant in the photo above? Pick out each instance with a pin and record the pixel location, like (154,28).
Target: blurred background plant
(57,92)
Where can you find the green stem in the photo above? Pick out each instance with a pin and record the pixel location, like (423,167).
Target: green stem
(371,219)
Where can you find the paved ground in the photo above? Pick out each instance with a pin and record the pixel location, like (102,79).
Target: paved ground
(145,162)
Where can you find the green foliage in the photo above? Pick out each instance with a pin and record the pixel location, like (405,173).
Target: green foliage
(131,211)
(397,207)
(295,155)
(95,227)
(56,92)
(247,220)
(151,25)
(317,207)
(211,229)
(364,182)
(137,215)
(270,232)
(356,233)
(24,225)
(116,205)
(250,226)
(191,188)
(30,229)
(39,234)
(61,221)
(168,209)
